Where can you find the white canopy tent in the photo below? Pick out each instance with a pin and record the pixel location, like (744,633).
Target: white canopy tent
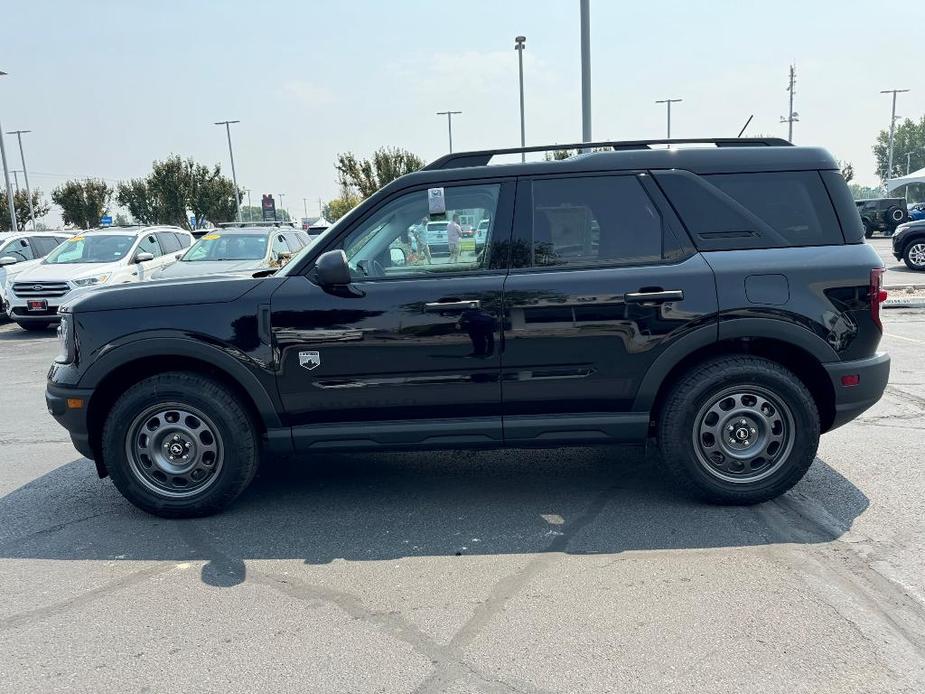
(914,177)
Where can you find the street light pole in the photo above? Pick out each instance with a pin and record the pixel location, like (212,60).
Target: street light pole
(25,172)
(11,205)
(305,207)
(585,71)
(668,103)
(894,92)
(449,123)
(234,176)
(519,45)
(280,203)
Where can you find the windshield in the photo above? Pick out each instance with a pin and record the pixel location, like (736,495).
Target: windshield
(316,240)
(106,248)
(227,247)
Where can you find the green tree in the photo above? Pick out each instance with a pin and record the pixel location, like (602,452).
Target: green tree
(560,154)
(908,139)
(859,192)
(21,205)
(343,203)
(176,188)
(252,213)
(847,170)
(82,203)
(366,176)
(121,220)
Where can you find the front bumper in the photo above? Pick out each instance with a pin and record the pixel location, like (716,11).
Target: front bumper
(60,401)
(850,401)
(21,314)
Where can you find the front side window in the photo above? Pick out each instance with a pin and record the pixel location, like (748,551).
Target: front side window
(19,249)
(168,241)
(105,248)
(404,239)
(594,220)
(150,245)
(218,246)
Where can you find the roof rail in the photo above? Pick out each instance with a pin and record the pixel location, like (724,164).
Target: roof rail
(268,223)
(481,158)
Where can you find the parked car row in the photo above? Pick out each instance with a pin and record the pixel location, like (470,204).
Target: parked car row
(42,271)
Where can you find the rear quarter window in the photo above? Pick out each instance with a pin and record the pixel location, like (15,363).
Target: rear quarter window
(754,210)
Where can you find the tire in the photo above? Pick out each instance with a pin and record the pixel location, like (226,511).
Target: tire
(914,255)
(162,418)
(34,327)
(786,440)
(895,215)
(868,230)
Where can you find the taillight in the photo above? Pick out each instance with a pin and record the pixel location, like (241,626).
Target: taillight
(877,295)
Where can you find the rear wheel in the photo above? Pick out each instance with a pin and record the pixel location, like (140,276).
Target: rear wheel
(914,255)
(738,430)
(179,445)
(868,230)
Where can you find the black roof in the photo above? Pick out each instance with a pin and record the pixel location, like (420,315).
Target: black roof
(701,160)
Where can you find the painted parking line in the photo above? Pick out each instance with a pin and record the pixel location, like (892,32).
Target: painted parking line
(907,339)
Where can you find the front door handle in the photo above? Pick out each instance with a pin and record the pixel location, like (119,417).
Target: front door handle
(471,305)
(654,297)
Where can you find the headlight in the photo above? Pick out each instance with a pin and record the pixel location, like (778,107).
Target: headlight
(65,353)
(90,281)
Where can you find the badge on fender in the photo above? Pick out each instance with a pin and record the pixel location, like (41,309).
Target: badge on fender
(309,360)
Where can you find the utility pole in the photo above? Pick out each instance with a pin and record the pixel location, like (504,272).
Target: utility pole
(520,43)
(889,166)
(234,176)
(668,103)
(280,208)
(792,116)
(15,173)
(585,10)
(25,172)
(6,177)
(908,163)
(449,123)
(305,207)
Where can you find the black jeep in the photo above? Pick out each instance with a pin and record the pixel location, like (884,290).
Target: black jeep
(718,299)
(882,214)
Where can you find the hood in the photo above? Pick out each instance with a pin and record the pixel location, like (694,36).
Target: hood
(8,272)
(185,292)
(198,268)
(63,272)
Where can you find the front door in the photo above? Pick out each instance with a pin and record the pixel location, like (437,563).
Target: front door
(410,352)
(602,289)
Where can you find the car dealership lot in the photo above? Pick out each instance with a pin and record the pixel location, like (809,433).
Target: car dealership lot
(571,570)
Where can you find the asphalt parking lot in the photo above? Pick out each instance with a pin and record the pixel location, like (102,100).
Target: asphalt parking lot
(897,274)
(530,571)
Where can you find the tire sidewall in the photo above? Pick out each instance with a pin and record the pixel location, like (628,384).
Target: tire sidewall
(238,442)
(783,386)
(906,258)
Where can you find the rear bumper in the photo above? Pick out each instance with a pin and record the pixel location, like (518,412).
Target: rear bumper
(850,401)
(74,419)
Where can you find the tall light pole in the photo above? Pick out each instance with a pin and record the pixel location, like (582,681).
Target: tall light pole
(668,103)
(449,123)
(792,116)
(519,45)
(281,203)
(585,71)
(894,92)
(234,176)
(25,172)
(305,207)
(6,176)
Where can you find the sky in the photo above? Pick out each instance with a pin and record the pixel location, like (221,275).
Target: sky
(109,86)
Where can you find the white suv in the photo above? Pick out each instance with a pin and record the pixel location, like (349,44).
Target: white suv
(20,251)
(90,260)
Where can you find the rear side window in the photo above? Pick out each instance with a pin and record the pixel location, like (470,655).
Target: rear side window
(183,240)
(594,220)
(753,210)
(42,245)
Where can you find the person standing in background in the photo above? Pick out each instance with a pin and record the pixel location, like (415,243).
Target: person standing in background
(453,232)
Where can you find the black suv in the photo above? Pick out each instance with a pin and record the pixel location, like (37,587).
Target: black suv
(882,214)
(909,244)
(719,299)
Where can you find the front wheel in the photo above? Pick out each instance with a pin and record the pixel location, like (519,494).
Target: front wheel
(738,430)
(914,255)
(180,445)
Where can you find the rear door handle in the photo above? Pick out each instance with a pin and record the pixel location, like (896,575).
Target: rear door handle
(656,297)
(471,305)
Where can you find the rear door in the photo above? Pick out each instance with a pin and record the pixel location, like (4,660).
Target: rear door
(603,282)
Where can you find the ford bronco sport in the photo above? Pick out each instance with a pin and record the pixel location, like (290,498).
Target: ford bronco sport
(718,299)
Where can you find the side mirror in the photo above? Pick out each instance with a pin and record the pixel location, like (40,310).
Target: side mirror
(397,257)
(143,257)
(8,260)
(332,269)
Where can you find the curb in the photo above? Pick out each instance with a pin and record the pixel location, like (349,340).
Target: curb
(917,302)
